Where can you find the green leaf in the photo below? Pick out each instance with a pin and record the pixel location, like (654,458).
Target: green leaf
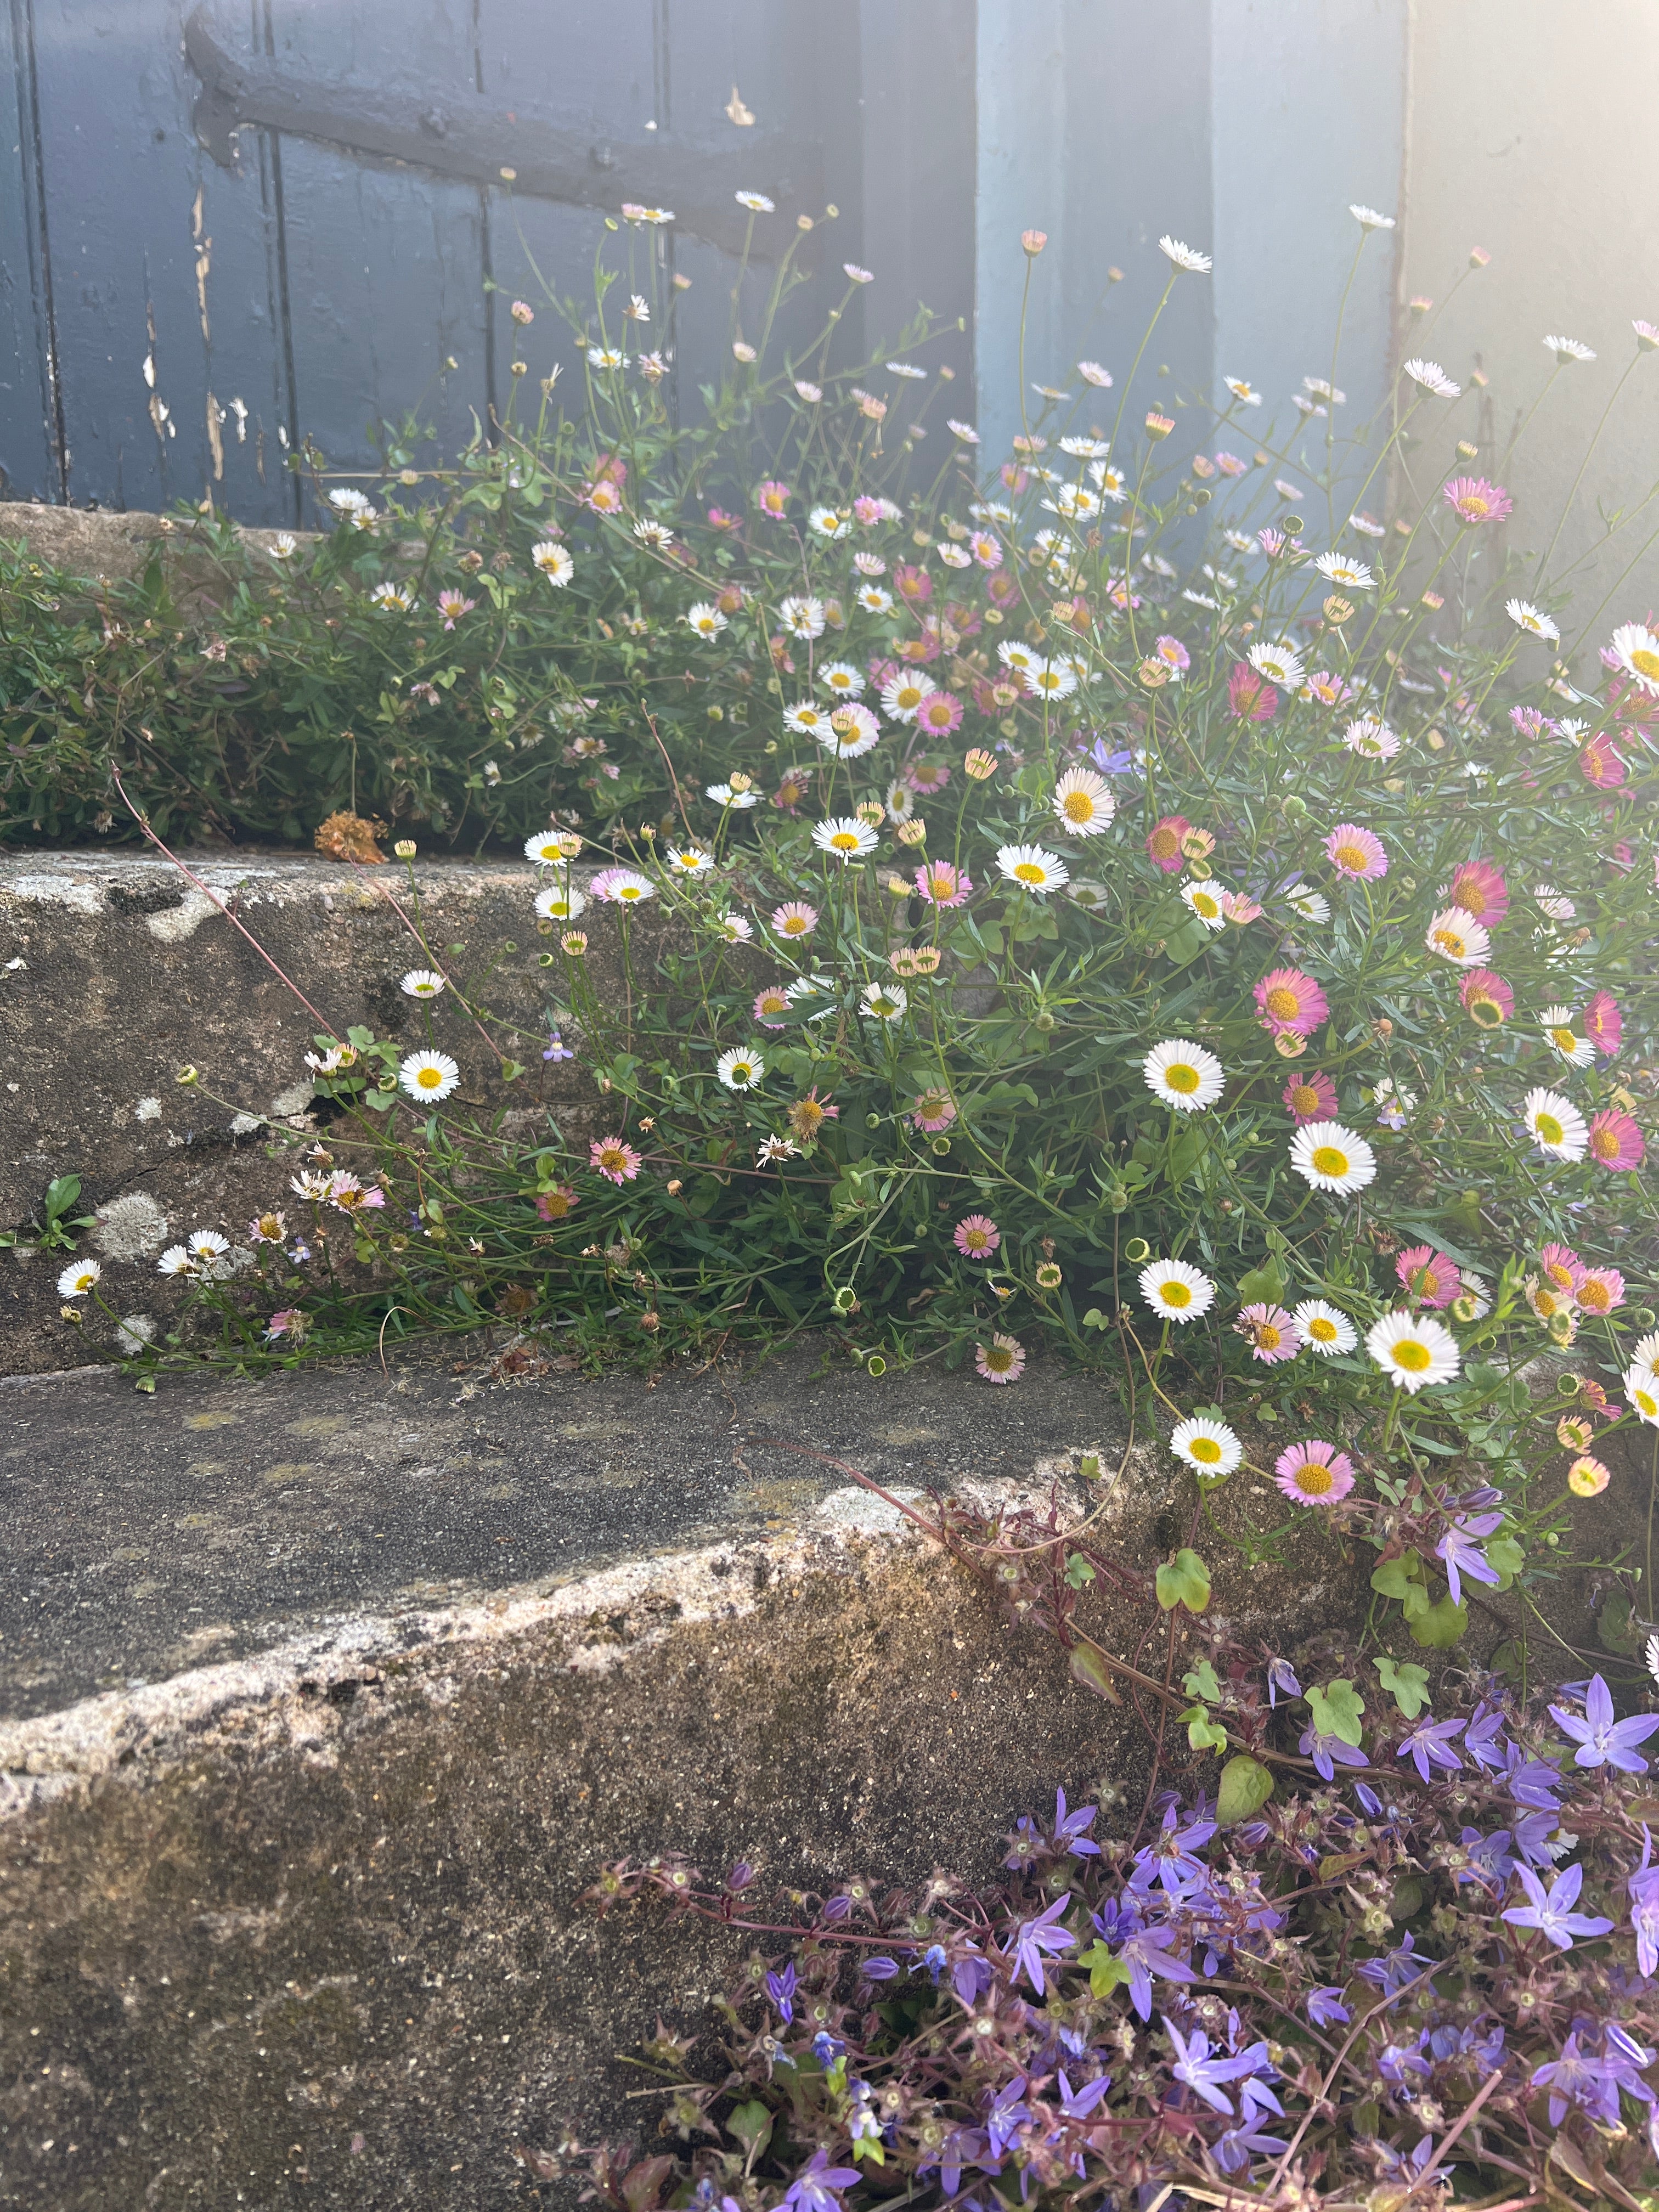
(1203,1732)
(1185,944)
(1263,1286)
(1078,1572)
(1337,1710)
(1089,1668)
(1245,1787)
(751,2124)
(1106,1972)
(1201,1682)
(61,1194)
(1438,1626)
(1508,1556)
(1185,1580)
(1407,1685)
(1613,1623)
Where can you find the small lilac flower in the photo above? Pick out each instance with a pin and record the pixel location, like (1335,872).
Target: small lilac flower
(1369,1803)
(1077,2104)
(1461,1554)
(933,1958)
(1281,1675)
(879,1968)
(1032,1938)
(1644,1888)
(1397,2063)
(1490,1858)
(1118,762)
(1145,1952)
(1235,2148)
(1430,1744)
(970,1977)
(557,1048)
(1323,1749)
(1538,1839)
(781,1988)
(1326,2007)
(1071,1829)
(1481,1737)
(1199,2071)
(1601,1740)
(813,2188)
(1006,2115)
(1553,1915)
(1578,2078)
(1531,1781)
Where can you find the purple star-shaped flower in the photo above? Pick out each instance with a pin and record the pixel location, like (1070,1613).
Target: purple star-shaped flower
(1145,1952)
(1032,1938)
(1481,1738)
(1200,2071)
(1459,1553)
(781,1988)
(1430,1744)
(1072,1829)
(1603,1740)
(1281,1675)
(1323,1749)
(1644,1887)
(1326,2007)
(1077,2104)
(813,2188)
(1007,2114)
(1553,1915)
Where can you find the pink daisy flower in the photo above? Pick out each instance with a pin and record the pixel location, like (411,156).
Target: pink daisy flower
(616,1162)
(1327,689)
(1240,910)
(1473,500)
(1002,1360)
(771,1006)
(1250,697)
(933,1111)
(913,584)
(1615,1142)
(1487,999)
(772,497)
(976,1236)
(795,920)
(1562,1266)
(1430,1277)
(1269,1331)
(1164,844)
(1356,853)
(1290,1001)
(1314,1473)
(939,713)
(1599,1289)
(1173,653)
(926,777)
(942,885)
(1481,890)
(1598,763)
(1604,1025)
(1310,1098)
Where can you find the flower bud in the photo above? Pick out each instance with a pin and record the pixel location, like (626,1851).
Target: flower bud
(405,848)
(1034,241)
(1158,426)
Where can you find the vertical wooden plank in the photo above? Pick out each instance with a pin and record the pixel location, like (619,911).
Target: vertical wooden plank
(151,318)
(29,454)
(385,265)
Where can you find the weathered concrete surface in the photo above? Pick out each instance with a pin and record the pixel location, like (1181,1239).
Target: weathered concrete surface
(115,972)
(415,1668)
(106,547)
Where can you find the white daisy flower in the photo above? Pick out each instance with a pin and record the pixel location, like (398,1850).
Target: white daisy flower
(741,1068)
(1473,1300)
(735,928)
(1331,1157)
(905,368)
(955,557)
(207,1245)
(657,534)
(558,904)
(1368,218)
(829,522)
(1642,1389)
(874,601)
(965,431)
(1092,372)
(1414,1350)
(1052,679)
(286,547)
(811,393)
(1184,256)
(806,719)
(1209,1446)
(1636,648)
(623,887)
(551,846)
(1432,378)
(801,617)
(1533,620)
(1086,449)
(1278,662)
(428,1076)
(1453,936)
(398,596)
(1245,393)
(1556,1022)
(1310,904)
(852,731)
(78,1279)
(844,836)
(723,795)
(1083,803)
(1645,1354)
(606,357)
(1371,739)
(690,860)
(1555,1125)
(1206,904)
(423,983)
(176,1260)
(707,621)
(1338,569)
(1550,902)
(756,202)
(1325,1328)
(902,695)
(843,678)
(1567,349)
(886,1001)
(1176,1290)
(1020,658)
(1183,1075)
(1073,503)
(346,500)
(1114,484)
(555,563)
(1038,870)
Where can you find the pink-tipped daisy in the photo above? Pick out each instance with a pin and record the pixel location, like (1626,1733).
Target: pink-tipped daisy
(926,777)
(795,920)
(976,1236)
(772,1006)
(943,884)
(1561,1267)
(1002,1360)
(1473,500)
(1310,1098)
(1291,1002)
(616,1162)
(1487,999)
(939,713)
(1429,1276)
(1356,853)
(1163,844)
(1599,1289)
(1616,1141)
(933,1110)
(1481,890)
(1271,1333)
(1604,1025)
(1314,1473)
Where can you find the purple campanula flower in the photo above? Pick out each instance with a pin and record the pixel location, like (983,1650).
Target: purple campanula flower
(879,1968)
(1325,1749)
(1410,2167)
(1145,1952)
(1459,1553)
(1553,1915)
(1118,762)
(1199,2071)
(1397,1970)
(1539,1839)
(1071,1829)
(1430,1744)
(1281,1675)
(1326,2007)
(825,2049)
(1644,1888)
(781,1988)
(1490,1858)
(971,1976)
(813,2188)
(1007,2114)
(1578,2078)
(1369,1802)
(933,1958)
(1233,2149)
(1398,2063)
(1531,1781)
(1032,1938)
(1602,1740)
(1480,1738)
(556,1047)
(1077,2104)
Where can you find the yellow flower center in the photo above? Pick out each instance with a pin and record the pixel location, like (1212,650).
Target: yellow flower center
(1486,1012)
(1594,1297)
(844,841)
(611,1156)
(1564,1041)
(998,1360)
(1305,1099)
(1645,663)
(741,1072)
(1323,1331)
(1206,1449)
(1203,904)
(1448,940)
(1313,1480)
(1330,1160)
(1645,1402)
(628,891)
(1354,858)
(1267,1337)
(1474,506)
(1175,1294)
(1547,1126)
(1411,1355)
(941,886)
(1605,1145)
(1079,806)
(1028,872)
(1165,844)
(1181,1077)
(1282,1003)
(794,926)
(429,1079)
